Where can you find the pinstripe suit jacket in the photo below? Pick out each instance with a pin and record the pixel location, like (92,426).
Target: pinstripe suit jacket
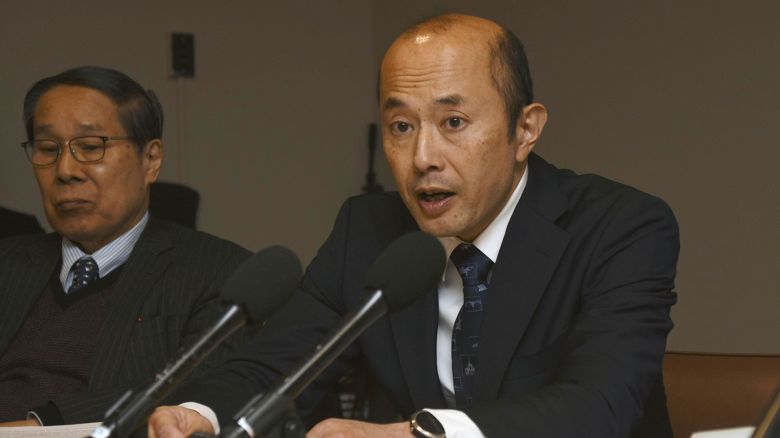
(166,295)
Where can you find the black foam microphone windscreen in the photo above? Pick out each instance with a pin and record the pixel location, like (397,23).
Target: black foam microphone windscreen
(409,267)
(263,282)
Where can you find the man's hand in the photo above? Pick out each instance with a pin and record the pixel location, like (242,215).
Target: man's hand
(176,422)
(337,428)
(31,422)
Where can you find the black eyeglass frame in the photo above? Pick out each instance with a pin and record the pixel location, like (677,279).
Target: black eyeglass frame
(29,145)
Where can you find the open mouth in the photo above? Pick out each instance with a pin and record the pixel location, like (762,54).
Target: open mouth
(435,202)
(434,196)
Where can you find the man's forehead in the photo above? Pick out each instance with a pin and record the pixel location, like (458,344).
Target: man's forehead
(427,40)
(428,47)
(80,108)
(444,71)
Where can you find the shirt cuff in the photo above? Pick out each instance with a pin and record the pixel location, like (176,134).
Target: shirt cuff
(33,416)
(206,412)
(456,423)
(47,415)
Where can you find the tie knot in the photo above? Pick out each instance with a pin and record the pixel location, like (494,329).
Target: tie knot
(85,271)
(473,266)
(86,263)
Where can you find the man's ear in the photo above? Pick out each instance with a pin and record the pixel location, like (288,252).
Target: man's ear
(529,128)
(152,160)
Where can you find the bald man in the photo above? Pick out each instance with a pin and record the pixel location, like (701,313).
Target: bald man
(561,331)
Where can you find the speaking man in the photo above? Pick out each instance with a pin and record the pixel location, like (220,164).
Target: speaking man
(101,304)
(552,315)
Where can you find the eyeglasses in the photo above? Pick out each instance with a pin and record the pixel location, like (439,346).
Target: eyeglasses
(87,149)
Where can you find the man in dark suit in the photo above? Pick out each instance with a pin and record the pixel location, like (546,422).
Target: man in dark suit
(552,315)
(100,305)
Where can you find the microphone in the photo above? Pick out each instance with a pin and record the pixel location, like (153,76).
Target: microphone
(411,266)
(256,289)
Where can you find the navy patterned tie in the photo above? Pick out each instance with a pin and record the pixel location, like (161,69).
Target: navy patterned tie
(85,271)
(473,267)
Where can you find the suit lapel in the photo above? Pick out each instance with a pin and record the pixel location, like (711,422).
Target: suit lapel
(414,330)
(414,333)
(150,258)
(529,255)
(24,283)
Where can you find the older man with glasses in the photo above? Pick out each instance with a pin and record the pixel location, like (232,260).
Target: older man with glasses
(106,300)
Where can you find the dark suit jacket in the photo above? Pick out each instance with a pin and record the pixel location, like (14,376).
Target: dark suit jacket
(575,321)
(167,294)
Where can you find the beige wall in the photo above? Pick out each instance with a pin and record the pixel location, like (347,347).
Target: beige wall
(678,98)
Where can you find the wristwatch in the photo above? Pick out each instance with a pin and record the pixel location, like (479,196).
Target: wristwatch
(423,424)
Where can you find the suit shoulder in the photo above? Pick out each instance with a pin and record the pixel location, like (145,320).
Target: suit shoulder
(201,244)
(590,198)
(17,244)
(17,223)
(591,190)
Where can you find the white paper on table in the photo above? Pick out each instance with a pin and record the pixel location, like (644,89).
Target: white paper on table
(80,430)
(736,432)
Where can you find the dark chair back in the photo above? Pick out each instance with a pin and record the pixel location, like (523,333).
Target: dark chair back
(174,202)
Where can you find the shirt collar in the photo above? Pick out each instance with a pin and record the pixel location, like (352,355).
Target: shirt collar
(108,257)
(489,241)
